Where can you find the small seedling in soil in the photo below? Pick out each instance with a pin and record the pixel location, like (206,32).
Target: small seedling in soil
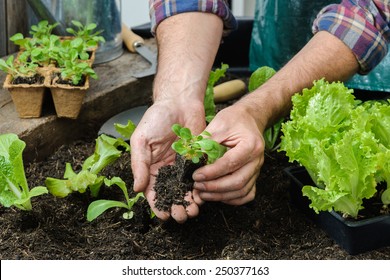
(196,147)
(98,207)
(90,37)
(22,72)
(74,71)
(173,182)
(107,150)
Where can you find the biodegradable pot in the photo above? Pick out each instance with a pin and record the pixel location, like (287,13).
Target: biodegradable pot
(68,99)
(355,236)
(28,99)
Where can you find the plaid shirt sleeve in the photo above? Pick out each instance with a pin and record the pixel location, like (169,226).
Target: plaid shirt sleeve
(363,25)
(162,9)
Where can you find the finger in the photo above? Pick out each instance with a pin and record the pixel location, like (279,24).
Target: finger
(193,208)
(178,213)
(246,191)
(231,182)
(231,161)
(197,199)
(140,163)
(243,200)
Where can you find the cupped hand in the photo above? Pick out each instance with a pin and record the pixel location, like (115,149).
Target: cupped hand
(151,149)
(232,178)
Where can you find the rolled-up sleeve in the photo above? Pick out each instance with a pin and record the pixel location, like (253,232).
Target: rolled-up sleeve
(363,25)
(162,9)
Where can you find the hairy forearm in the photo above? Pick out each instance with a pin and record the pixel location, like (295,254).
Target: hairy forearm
(187,46)
(325,56)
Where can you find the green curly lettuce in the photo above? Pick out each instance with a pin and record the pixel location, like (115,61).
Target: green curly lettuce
(343,144)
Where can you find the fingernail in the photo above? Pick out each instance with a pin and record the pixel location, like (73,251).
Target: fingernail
(200,186)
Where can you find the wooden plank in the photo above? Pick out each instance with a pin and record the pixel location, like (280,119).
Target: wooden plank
(3,29)
(17,21)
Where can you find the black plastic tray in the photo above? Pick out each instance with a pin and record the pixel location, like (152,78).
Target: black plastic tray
(354,236)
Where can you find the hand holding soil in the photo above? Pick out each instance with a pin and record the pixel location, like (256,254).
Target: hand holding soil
(151,149)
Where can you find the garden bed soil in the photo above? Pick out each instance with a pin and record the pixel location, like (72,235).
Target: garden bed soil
(267,228)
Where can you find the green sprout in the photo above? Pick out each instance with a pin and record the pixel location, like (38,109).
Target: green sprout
(196,147)
(98,207)
(86,33)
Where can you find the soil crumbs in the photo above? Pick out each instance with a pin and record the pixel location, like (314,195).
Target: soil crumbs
(267,228)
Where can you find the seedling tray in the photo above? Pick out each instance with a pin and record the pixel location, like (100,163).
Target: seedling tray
(354,236)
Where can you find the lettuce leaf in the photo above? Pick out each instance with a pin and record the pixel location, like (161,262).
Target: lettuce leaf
(209,104)
(259,77)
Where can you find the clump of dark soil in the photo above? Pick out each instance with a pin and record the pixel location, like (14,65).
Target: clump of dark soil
(173,182)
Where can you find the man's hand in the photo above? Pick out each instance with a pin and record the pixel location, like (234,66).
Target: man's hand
(232,178)
(151,148)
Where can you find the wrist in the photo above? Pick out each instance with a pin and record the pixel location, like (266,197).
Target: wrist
(261,107)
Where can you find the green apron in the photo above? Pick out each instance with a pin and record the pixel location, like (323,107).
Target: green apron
(282,27)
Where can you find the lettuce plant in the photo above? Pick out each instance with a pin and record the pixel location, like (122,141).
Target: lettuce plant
(343,144)
(14,190)
(98,207)
(107,150)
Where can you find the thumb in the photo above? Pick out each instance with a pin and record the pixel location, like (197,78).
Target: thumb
(140,165)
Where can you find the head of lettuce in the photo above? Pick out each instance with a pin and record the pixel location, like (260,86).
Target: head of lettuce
(343,143)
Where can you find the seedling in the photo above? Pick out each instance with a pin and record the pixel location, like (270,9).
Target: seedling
(18,69)
(47,51)
(42,30)
(74,70)
(86,33)
(98,207)
(25,44)
(107,150)
(196,147)
(14,190)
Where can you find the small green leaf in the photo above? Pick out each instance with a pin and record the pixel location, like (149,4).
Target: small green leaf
(176,129)
(206,144)
(90,26)
(125,130)
(179,148)
(195,159)
(128,215)
(16,37)
(77,23)
(185,133)
(98,207)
